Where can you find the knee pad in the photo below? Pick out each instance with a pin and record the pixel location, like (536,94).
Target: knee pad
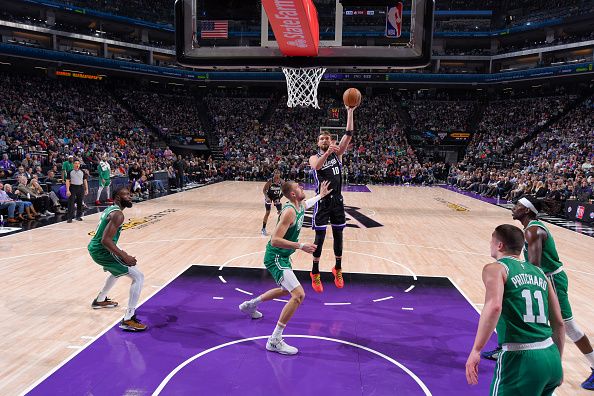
(319,242)
(573,331)
(337,235)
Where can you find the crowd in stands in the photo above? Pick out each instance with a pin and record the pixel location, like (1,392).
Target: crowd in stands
(285,141)
(175,115)
(506,122)
(557,165)
(45,121)
(440,116)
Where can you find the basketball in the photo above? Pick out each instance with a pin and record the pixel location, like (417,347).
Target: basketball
(351,97)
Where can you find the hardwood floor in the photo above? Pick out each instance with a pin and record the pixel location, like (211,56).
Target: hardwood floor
(50,280)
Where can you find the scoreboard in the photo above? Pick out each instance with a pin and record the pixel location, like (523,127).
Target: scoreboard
(334,114)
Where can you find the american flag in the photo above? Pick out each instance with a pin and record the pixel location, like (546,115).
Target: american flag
(214,29)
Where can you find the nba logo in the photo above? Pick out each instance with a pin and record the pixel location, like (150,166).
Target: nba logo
(580,212)
(394,21)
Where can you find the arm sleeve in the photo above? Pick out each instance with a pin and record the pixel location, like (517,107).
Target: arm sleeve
(312,201)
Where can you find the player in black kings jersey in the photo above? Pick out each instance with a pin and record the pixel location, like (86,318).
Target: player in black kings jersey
(272,193)
(327,166)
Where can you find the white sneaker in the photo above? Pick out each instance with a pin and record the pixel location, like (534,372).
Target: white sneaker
(48,213)
(264,233)
(250,309)
(280,346)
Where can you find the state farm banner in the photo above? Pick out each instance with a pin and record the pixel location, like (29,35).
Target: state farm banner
(394,21)
(295,26)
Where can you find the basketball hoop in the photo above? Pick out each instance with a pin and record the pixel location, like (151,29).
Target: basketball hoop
(302,86)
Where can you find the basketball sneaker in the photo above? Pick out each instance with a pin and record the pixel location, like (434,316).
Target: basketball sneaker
(589,383)
(492,355)
(264,233)
(97,203)
(132,324)
(280,346)
(338,280)
(250,309)
(316,283)
(104,304)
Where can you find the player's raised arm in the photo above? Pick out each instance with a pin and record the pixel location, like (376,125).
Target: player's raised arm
(348,136)
(324,190)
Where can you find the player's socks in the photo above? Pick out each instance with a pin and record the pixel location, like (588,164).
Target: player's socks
(338,263)
(338,279)
(590,357)
(101,297)
(255,301)
(277,334)
(129,313)
(315,269)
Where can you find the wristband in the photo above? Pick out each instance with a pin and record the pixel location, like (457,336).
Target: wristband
(301,246)
(349,133)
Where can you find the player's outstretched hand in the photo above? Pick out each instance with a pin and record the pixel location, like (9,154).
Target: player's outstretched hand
(350,108)
(309,248)
(472,367)
(324,190)
(333,148)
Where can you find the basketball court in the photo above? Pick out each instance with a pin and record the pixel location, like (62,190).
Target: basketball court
(406,319)
(404,322)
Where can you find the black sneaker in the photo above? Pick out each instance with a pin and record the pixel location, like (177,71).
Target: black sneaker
(104,304)
(132,324)
(79,218)
(492,355)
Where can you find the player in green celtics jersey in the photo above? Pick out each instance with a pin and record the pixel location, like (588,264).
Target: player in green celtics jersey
(520,301)
(540,250)
(104,251)
(104,171)
(282,244)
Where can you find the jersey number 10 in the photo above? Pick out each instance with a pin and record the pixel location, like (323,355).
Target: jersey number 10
(336,170)
(529,317)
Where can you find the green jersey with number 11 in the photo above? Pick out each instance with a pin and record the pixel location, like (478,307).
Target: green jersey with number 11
(525,308)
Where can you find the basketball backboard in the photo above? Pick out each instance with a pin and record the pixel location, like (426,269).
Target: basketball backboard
(372,34)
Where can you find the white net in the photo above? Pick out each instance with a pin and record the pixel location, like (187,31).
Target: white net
(302,86)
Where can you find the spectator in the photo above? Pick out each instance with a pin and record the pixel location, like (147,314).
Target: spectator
(28,206)
(41,202)
(8,203)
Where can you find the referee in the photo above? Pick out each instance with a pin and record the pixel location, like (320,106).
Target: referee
(76,189)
